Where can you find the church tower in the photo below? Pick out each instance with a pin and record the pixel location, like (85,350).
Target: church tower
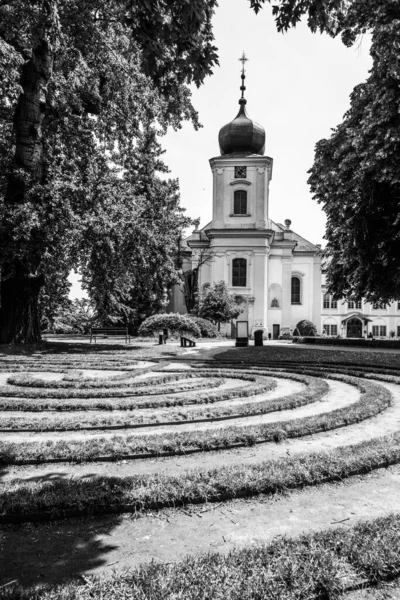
(273,272)
(240,230)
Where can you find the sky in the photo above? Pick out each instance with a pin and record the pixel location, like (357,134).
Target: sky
(298,87)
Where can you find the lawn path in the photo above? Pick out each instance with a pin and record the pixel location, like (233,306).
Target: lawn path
(385,423)
(339,395)
(65,548)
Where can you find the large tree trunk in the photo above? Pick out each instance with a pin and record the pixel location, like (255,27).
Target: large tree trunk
(19,315)
(20,278)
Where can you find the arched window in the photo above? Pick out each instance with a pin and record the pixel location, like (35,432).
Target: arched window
(296,290)
(240,202)
(239,268)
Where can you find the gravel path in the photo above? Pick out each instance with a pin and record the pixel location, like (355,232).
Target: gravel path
(53,552)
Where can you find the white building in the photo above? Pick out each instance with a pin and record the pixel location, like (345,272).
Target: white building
(357,318)
(274,272)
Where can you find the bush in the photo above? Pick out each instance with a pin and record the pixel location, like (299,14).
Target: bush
(207,329)
(360,342)
(306,328)
(172,321)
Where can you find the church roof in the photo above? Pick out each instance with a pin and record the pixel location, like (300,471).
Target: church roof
(303,245)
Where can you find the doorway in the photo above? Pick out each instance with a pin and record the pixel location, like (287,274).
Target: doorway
(354,328)
(275,331)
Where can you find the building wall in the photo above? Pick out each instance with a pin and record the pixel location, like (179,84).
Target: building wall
(388,317)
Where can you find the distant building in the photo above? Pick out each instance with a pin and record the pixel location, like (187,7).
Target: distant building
(357,318)
(273,271)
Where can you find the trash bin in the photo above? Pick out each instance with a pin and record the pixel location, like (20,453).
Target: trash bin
(269,336)
(160,338)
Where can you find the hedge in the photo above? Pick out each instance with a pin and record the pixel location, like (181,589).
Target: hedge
(360,342)
(207,329)
(171,321)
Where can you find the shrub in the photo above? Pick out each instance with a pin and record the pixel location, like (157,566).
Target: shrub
(306,328)
(207,329)
(172,321)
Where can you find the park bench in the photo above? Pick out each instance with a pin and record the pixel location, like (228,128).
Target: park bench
(185,341)
(106,331)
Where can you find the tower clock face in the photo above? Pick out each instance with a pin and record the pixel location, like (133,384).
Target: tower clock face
(240,172)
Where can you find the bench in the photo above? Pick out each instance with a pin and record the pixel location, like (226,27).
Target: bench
(106,331)
(185,341)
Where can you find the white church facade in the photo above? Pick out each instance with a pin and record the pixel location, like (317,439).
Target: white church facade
(274,273)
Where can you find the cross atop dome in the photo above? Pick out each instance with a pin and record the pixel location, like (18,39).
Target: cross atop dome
(243,60)
(242,136)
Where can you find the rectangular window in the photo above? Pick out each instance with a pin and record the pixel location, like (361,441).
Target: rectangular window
(379,330)
(398,305)
(379,306)
(331,330)
(398,330)
(240,172)
(296,291)
(355,303)
(239,272)
(240,202)
(329,302)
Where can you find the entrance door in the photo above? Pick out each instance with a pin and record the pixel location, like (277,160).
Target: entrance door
(354,328)
(275,331)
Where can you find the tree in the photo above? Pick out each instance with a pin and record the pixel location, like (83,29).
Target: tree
(217,305)
(190,279)
(82,81)
(70,316)
(128,272)
(356,178)
(355,175)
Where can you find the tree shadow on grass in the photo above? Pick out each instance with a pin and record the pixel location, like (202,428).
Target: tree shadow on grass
(39,553)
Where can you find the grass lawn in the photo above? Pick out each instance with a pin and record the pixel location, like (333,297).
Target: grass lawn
(241,383)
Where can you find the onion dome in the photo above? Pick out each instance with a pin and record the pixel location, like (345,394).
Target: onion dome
(242,136)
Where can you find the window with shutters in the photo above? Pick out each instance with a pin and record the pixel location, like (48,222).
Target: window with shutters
(239,272)
(240,202)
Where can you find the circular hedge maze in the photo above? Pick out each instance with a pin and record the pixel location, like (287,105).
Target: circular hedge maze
(340,419)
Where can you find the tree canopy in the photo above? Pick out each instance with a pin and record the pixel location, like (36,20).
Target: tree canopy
(355,175)
(356,178)
(217,304)
(88,85)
